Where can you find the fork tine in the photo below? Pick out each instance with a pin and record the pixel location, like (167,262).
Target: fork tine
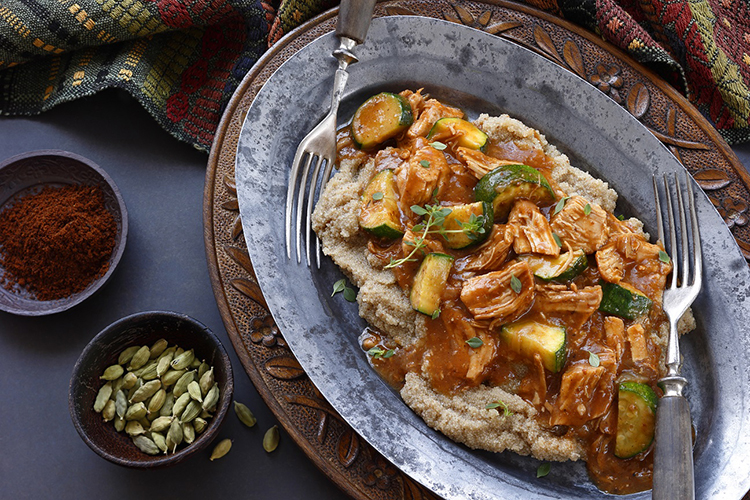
(310,203)
(697,249)
(672,232)
(291,188)
(300,204)
(659,220)
(684,233)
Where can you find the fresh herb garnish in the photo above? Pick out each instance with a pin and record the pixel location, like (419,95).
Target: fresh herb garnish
(339,286)
(593,359)
(432,224)
(559,206)
(499,404)
(435,314)
(425,163)
(543,469)
(664,257)
(438,145)
(380,353)
(377,196)
(474,227)
(557,239)
(515,283)
(587,209)
(350,294)
(475,342)
(620,217)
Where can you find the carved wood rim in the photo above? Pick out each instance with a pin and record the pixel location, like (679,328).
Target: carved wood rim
(329,442)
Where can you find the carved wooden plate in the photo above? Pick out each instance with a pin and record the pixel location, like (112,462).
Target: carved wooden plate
(318,429)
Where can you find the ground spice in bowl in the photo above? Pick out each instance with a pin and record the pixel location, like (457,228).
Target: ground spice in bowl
(56,242)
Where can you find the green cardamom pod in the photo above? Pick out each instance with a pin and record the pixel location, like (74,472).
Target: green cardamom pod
(171,377)
(244,414)
(160,441)
(129,380)
(113,372)
(138,384)
(119,423)
(146,391)
(157,348)
(203,368)
(183,361)
(209,402)
(178,351)
(195,364)
(162,366)
(133,428)
(102,397)
(181,386)
(192,410)
(136,411)
(148,372)
(199,425)
(140,358)
(271,439)
(146,445)
(117,385)
(188,432)
(207,381)
(121,403)
(127,354)
(180,404)
(157,401)
(221,449)
(175,433)
(194,389)
(166,408)
(161,424)
(145,422)
(109,411)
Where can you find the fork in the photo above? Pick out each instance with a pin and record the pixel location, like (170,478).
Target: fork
(320,144)
(673,449)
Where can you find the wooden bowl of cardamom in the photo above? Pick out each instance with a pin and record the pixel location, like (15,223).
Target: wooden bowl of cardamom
(151,389)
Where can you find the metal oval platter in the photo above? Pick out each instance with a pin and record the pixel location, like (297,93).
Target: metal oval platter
(481,73)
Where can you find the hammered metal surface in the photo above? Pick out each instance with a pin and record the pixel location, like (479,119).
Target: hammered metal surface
(341,453)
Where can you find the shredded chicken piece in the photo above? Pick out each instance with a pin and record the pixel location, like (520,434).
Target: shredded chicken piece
(390,158)
(534,384)
(482,356)
(491,255)
(576,304)
(479,163)
(533,233)
(586,392)
(634,248)
(586,232)
(637,341)
(432,112)
(417,181)
(415,100)
(492,296)
(610,263)
(614,331)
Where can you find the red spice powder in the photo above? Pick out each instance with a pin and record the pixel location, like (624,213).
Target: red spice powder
(56,242)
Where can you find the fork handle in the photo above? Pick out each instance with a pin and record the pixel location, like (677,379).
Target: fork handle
(354,19)
(673,449)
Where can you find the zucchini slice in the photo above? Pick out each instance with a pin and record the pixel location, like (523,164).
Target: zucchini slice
(636,418)
(472,221)
(623,300)
(429,283)
(379,214)
(565,267)
(504,184)
(379,118)
(529,337)
(458,132)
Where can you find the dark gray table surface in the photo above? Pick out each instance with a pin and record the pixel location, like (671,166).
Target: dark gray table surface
(163,268)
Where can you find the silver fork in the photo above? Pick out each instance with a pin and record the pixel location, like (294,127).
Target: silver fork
(673,449)
(320,144)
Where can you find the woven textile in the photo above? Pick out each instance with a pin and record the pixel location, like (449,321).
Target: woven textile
(183,59)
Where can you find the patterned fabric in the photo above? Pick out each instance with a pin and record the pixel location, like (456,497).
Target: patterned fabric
(183,59)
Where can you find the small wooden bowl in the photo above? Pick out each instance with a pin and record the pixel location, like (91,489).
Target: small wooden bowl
(143,328)
(27,174)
